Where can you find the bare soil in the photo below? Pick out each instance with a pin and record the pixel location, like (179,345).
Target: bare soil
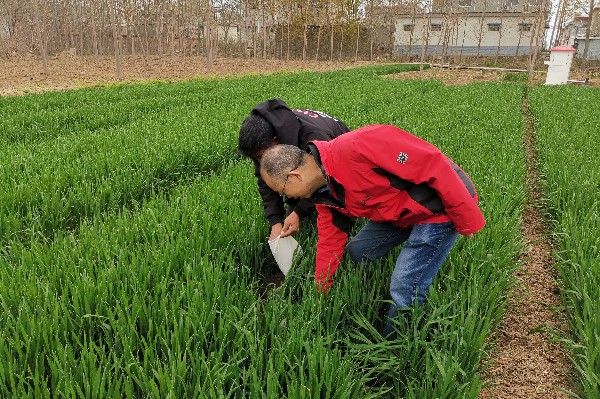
(458,77)
(25,75)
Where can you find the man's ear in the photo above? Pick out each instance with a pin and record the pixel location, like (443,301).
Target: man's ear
(296,173)
(275,140)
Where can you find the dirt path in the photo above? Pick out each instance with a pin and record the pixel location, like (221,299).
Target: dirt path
(526,364)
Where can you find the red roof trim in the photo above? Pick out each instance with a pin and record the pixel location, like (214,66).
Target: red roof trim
(563,48)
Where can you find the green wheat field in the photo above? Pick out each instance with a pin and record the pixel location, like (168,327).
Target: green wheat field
(133,244)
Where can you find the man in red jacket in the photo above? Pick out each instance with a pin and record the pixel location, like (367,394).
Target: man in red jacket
(408,189)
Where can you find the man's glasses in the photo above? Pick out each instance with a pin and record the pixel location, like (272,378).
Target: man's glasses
(282,193)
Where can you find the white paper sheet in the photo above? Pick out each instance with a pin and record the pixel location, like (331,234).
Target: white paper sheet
(283,249)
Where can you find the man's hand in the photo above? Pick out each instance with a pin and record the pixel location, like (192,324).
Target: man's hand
(275,231)
(291,225)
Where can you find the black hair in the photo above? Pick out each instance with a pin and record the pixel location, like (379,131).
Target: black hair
(255,134)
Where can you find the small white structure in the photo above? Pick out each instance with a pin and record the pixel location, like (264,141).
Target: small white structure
(559,65)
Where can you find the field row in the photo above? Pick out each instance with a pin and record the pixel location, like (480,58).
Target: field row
(568,148)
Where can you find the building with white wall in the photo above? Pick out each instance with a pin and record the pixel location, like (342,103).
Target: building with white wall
(471,27)
(573,34)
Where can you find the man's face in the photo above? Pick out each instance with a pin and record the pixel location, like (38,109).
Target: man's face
(293,186)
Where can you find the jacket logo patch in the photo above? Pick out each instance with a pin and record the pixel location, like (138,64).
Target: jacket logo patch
(402,158)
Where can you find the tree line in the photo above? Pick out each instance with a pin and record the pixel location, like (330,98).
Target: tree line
(317,29)
(283,29)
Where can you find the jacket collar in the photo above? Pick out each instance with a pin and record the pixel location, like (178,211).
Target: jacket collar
(332,193)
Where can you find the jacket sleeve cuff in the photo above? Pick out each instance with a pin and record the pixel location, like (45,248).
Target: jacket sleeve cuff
(274,219)
(471,228)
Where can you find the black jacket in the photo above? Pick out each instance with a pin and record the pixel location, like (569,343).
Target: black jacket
(295,127)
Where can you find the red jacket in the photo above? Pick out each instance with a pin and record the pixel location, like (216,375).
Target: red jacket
(385,174)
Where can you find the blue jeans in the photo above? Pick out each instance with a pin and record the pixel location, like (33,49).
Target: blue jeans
(427,246)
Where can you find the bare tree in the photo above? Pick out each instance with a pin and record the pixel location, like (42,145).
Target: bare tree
(303,6)
(500,31)
(40,16)
(357,40)
(14,11)
(426,29)
(342,15)
(558,21)
(332,11)
(209,32)
(263,28)
(481,23)
(537,35)
(588,31)
(321,18)
(285,10)
(113,4)
(93,20)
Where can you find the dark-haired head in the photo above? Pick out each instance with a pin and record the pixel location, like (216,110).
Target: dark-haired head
(256,136)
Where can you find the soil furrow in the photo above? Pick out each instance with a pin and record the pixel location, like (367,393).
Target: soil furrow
(526,363)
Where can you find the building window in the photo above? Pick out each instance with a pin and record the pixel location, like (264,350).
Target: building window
(408,27)
(524,27)
(494,27)
(465,3)
(510,3)
(436,26)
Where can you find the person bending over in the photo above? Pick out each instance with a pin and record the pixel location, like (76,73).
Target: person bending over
(407,189)
(273,122)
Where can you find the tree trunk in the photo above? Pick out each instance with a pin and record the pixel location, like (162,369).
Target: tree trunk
(281,44)
(41,33)
(94,32)
(115,29)
(331,44)
(102,23)
(199,28)
(557,17)
(146,47)
(159,28)
(480,38)
(71,27)
(539,33)
(445,35)
(425,42)
(288,40)
(305,41)
(318,43)
(81,26)
(254,44)
(264,31)
(208,16)
(341,43)
(357,41)
(586,47)
(371,44)
(412,31)
(499,38)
